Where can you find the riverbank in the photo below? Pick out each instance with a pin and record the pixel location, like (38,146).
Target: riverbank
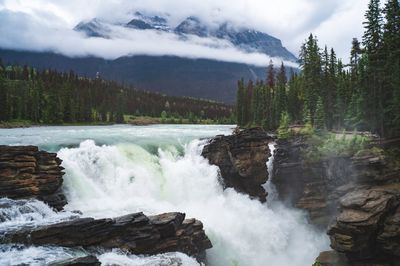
(129,120)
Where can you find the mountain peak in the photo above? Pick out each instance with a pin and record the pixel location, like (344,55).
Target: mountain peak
(245,39)
(94,28)
(192,25)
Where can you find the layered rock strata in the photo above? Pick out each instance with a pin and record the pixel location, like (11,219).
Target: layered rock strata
(242,158)
(135,233)
(357,196)
(26,172)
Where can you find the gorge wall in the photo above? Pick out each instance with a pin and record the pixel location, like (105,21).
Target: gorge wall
(356,198)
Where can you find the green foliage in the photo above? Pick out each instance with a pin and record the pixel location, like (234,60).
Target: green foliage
(363,96)
(329,145)
(283,130)
(307,130)
(51,97)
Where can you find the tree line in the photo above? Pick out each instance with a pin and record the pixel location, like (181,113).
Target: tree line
(362,95)
(52,97)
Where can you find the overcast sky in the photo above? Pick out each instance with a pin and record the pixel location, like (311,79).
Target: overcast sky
(48,24)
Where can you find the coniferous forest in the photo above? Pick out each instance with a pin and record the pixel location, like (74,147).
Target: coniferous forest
(362,95)
(50,97)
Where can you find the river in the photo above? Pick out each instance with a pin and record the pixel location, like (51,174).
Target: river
(115,170)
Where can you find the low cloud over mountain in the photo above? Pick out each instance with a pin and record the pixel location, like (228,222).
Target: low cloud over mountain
(48,26)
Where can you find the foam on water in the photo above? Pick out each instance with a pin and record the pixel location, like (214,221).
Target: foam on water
(35,256)
(168,259)
(156,169)
(15,214)
(104,181)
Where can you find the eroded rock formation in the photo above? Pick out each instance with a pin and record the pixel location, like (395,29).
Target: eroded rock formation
(368,225)
(26,172)
(136,233)
(242,159)
(358,196)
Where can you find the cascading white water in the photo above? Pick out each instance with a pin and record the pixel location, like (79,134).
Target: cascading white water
(134,175)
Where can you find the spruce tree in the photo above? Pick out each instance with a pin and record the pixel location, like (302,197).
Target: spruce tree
(372,40)
(391,84)
(281,97)
(311,67)
(240,97)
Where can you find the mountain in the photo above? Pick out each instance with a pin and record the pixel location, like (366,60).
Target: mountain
(245,39)
(192,25)
(200,78)
(143,22)
(209,79)
(94,28)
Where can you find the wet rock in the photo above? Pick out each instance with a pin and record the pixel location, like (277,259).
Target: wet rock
(82,261)
(136,233)
(26,172)
(359,196)
(332,258)
(242,159)
(317,186)
(368,225)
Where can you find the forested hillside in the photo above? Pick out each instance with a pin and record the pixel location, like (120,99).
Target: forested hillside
(362,95)
(52,97)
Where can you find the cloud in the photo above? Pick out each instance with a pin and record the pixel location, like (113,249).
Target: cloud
(46,25)
(33,36)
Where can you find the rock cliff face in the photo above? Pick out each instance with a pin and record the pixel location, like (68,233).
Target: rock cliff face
(358,197)
(368,225)
(242,159)
(26,172)
(136,233)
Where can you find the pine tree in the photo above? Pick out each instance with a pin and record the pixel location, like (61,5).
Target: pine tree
(270,86)
(391,84)
(294,98)
(4,114)
(248,115)
(319,120)
(281,97)
(240,97)
(311,66)
(372,41)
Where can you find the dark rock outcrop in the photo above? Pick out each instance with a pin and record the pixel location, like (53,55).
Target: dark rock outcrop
(309,185)
(368,225)
(332,258)
(26,172)
(242,159)
(136,233)
(317,186)
(82,261)
(359,196)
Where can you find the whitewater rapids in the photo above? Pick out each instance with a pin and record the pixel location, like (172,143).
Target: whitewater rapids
(116,171)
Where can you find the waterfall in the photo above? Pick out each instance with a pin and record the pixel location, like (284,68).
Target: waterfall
(111,177)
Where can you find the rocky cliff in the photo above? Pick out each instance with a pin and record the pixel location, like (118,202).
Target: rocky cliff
(358,196)
(26,172)
(242,159)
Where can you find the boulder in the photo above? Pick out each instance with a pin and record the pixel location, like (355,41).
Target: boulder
(242,159)
(331,258)
(26,172)
(135,233)
(367,227)
(81,261)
